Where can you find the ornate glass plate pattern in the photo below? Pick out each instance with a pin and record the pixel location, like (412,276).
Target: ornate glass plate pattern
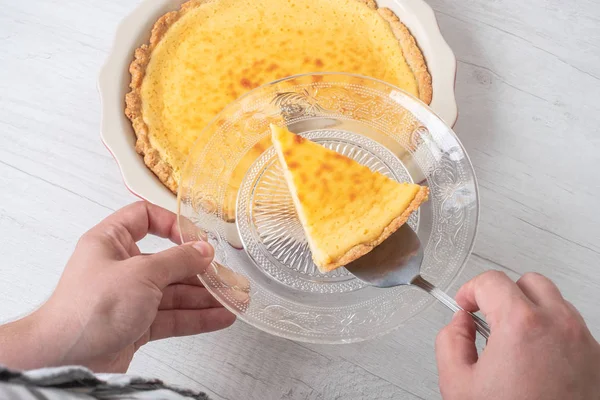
(368,120)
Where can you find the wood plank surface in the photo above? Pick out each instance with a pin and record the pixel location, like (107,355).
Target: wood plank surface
(527,87)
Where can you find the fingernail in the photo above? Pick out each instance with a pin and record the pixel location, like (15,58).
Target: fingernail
(455,315)
(204,248)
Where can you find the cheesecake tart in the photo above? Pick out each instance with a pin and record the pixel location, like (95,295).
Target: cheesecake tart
(345,209)
(208,53)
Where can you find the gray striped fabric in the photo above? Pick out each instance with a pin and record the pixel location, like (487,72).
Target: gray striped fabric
(76,383)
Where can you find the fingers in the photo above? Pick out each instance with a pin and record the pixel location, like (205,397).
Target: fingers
(177,263)
(492,292)
(539,289)
(228,278)
(187,297)
(455,349)
(235,286)
(169,323)
(142,218)
(192,280)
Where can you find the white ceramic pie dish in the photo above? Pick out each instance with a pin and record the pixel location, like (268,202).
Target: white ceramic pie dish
(113,83)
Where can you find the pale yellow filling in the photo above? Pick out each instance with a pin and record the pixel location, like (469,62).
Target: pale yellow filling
(221,49)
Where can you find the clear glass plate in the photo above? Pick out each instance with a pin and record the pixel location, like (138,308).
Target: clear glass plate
(232,194)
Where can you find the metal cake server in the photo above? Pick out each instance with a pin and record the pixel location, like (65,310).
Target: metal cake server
(397,261)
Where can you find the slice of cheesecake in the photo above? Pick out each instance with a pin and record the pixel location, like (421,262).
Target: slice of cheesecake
(345,208)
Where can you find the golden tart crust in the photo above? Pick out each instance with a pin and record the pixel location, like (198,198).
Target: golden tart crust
(156,162)
(363,248)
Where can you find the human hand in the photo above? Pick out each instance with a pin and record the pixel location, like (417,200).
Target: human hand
(111,299)
(539,347)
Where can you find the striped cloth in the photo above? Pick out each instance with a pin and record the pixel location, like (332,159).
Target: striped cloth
(78,383)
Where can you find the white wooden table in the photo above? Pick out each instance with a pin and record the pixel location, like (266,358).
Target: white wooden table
(528,86)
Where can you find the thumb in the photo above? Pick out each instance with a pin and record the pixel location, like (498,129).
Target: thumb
(178,263)
(455,351)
